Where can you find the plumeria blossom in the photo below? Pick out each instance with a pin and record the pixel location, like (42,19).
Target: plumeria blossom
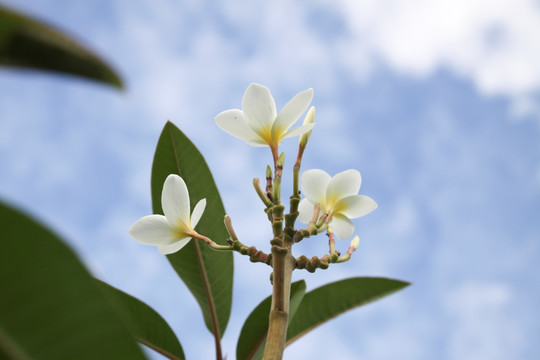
(173,231)
(258,124)
(338,198)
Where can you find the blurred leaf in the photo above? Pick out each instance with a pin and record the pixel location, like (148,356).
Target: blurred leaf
(50,306)
(26,42)
(253,335)
(207,273)
(328,301)
(144,323)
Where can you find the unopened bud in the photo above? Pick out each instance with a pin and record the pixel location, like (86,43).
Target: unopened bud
(268,172)
(281,160)
(310,119)
(355,242)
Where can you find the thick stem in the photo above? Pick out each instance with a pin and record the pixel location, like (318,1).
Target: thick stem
(283,264)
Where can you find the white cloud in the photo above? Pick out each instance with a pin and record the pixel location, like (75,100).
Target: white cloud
(494,43)
(483,329)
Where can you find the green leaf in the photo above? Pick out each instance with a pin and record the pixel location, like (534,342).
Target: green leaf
(26,42)
(307,311)
(50,306)
(144,323)
(328,301)
(207,273)
(253,335)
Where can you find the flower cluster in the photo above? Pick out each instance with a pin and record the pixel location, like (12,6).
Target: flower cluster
(329,203)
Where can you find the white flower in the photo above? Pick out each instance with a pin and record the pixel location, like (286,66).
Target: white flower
(258,124)
(337,196)
(173,231)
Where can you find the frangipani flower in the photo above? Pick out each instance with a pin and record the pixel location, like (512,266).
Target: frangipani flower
(337,196)
(173,231)
(258,124)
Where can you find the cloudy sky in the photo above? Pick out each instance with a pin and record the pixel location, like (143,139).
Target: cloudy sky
(436,103)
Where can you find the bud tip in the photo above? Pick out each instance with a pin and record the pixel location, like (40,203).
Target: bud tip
(355,242)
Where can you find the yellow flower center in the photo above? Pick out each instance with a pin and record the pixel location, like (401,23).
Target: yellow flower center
(183,230)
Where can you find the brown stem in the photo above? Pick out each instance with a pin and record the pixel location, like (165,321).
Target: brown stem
(331,243)
(283,264)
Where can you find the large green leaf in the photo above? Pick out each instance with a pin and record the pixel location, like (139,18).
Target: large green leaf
(144,323)
(26,42)
(252,337)
(307,311)
(50,306)
(207,273)
(328,301)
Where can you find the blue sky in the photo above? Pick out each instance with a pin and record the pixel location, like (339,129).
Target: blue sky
(435,103)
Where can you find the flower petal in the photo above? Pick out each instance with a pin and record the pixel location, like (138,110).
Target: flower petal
(355,206)
(299,131)
(259,108)
(172,248)
(152,230)
(175,200)
(305,209)
(314,183)
(291,112)
(343,227)
(197,212)
(257,144)
(344,184)
(234,123)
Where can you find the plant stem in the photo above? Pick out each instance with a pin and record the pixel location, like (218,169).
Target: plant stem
(264,198)
(283,264)
(296,170)
(211,243)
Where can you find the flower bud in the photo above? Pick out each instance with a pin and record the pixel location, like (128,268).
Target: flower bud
(310,119)
(268,172)
(281,160)
(355,242)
